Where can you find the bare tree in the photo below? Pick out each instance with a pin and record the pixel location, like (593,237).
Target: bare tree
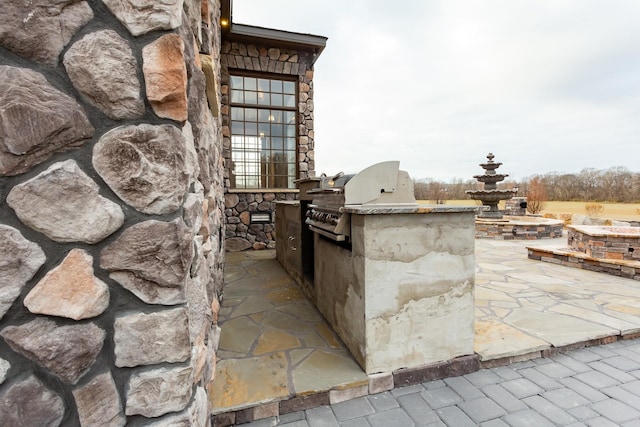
(536,195)
(616,184)
(593,209)
(420,189)
(589,178)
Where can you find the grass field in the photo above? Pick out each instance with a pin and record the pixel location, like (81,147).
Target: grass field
(621,211)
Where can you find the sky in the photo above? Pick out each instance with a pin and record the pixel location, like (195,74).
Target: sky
(545,85)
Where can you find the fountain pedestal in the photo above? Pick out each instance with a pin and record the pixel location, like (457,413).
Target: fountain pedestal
(490,196)
(493,225)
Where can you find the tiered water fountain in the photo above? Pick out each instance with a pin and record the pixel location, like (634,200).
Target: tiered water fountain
(491,223)
(490,196)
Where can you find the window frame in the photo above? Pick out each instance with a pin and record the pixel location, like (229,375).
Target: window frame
(275,145)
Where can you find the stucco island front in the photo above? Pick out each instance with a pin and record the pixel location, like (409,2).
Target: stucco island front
(402,295)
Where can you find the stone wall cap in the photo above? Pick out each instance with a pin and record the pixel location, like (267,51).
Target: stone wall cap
(409,209)
(606,230)
(262,190)
(309,179)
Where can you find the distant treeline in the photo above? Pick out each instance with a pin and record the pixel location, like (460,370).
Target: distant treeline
(616,185)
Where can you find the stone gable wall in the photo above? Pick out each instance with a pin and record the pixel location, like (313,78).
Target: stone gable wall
(111,213)
(238,58)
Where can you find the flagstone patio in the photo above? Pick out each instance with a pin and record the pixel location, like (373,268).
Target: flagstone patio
(275,345)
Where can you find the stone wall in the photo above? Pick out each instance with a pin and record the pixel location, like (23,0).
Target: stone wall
(240,231)
(274,61)
(515,206)
(575,259)
(612,243)
(521,228)
(111,221)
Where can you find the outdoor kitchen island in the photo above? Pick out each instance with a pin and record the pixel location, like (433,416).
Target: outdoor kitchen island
(403,296)
(397,282)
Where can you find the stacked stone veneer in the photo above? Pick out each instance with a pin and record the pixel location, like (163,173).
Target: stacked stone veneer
(241,233)
(612,243)
(515,206)
(570,258)
(273,61)
(111,180)
(519,231)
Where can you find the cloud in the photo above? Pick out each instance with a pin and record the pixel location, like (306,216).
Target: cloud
(547,85)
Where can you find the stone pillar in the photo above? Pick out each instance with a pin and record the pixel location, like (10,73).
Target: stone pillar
(111,221)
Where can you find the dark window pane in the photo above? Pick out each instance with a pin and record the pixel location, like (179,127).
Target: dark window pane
(290,117)
(250,98)
(237,114)
(277,116)
(276,86)
(290,130)
(274,158)
(251,128)
(237,128)
(263,85)
(251,114)
(289,100)
(289,87)
(250,83)
(263,116)
(236,82)
(276,100)
(236,96)
(276,130)
(263,129)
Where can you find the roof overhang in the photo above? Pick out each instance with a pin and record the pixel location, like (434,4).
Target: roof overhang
(277,38)
(250,34)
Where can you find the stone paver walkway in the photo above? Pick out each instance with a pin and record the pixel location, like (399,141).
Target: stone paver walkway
(594,386)
(274,343)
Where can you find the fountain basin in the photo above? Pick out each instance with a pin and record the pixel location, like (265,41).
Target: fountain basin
(490,195)
(605,242)
(519,228)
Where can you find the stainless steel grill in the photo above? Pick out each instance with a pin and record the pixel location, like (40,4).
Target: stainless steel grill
(379,185)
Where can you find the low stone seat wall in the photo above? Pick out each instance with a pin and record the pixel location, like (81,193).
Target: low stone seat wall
(519,228)
(570,258)
(619,243)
